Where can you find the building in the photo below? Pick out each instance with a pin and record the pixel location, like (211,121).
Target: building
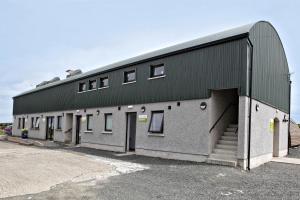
(223,99)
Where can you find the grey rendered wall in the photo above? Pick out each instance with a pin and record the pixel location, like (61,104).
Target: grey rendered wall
(243,128)
(114,141)
(59,135)
(261,150)
(261,136)
(189,76)
(185,129)
(32,133)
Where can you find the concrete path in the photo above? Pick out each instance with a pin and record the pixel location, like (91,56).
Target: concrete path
(29,170)
(294,161)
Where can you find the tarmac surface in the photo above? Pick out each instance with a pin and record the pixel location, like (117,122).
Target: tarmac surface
(154,178)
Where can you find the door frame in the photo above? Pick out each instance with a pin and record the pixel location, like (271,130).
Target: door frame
(47,127)
(276,132)
(77,129)
(127,138)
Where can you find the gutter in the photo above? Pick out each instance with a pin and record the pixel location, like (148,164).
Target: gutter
(289,126)
(250,106)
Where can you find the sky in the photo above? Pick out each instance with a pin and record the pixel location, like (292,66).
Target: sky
(41,39)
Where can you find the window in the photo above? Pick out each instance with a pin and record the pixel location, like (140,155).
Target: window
(37,123)
(129,76)
(23,122)
(32,122)
(108,122)
(103,82)
(59,122)
(19,123)
(92,84)
(157,122)
(157,70)
(89,122)
(82,87)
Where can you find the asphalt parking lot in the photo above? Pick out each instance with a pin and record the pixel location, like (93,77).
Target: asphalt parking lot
(138,177)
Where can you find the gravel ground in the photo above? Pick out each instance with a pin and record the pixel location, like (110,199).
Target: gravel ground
(167,179)
(294,152)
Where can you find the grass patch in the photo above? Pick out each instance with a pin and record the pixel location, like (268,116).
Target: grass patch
(2,132)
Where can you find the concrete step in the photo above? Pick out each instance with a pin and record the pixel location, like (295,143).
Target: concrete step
(226,146)
(229,138)
(222,156)
(233,125)
(231,163)
(225,151)
(229,133)
(231,129)
(227,142)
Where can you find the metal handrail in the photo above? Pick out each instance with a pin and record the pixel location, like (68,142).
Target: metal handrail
(221,116)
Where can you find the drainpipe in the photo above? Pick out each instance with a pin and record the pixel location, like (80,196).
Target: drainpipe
(289,126)
(250,106)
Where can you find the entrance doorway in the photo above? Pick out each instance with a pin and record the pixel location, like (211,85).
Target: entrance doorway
(50,128)
(276,138)
(78,127)
(131,131)
(69,128)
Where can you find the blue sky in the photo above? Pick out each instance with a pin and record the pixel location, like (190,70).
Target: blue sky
(42,39)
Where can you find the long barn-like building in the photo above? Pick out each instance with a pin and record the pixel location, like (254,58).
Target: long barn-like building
(223,99)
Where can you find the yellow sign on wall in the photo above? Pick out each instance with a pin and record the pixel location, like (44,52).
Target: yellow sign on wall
(143,118)
(271,126)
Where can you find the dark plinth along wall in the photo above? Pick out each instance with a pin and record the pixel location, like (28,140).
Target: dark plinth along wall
(191,73)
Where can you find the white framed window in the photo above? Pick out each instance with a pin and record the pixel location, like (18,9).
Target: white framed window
(19,123)
(82,87)
(108,122)
(104,82)
(129,76)
(157,70)
(92,84)
(59,123)
(89,122)
(37,123)
(23,122)
(157,122)
(32,122)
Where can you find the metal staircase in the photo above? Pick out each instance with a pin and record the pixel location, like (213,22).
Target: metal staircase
(225,151)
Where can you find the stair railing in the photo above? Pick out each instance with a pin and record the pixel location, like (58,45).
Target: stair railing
(221,116)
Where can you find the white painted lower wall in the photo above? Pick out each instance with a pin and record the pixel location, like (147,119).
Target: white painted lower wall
(261,150)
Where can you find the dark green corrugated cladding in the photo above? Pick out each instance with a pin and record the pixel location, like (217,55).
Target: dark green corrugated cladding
(192,70)
(270,68)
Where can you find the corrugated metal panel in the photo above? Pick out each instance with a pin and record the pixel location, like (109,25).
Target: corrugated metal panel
(270,67)
(213,38)
(189,75)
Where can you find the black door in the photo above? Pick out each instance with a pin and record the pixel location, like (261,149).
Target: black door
(50,128)
(131,130)
(78,126)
